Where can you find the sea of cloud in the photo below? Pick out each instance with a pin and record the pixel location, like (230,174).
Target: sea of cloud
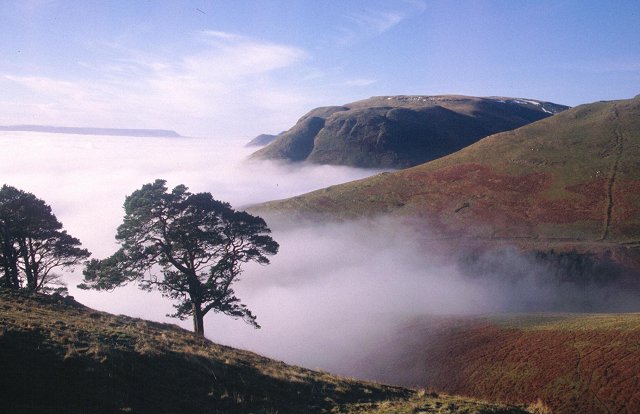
(333,291)
(330,291)
(85,180)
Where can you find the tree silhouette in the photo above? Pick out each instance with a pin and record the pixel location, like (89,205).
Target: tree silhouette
(191,247)
(33,242)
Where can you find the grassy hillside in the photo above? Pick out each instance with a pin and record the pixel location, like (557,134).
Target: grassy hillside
(571,362)
(58,356)
(567,190)
(570,181)
(400,131)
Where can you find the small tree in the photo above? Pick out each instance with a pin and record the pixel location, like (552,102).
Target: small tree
(199,244)
(33,242)
(9,219)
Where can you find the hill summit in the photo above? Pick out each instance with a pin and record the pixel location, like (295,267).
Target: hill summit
(400,131)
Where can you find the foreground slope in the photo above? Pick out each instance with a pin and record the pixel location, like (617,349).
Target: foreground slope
(573,363)
(58,356)
(571,180)
(400,131)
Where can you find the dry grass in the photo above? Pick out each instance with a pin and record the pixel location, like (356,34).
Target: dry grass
(58,356)
(566,363)
(571,322)
(567,182)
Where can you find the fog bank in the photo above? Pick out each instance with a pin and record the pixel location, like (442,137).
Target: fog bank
(334,291)
(86,178)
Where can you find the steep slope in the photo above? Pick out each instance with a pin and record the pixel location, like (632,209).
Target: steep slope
(58,356)
(400,131)
(569,181)
(573,363)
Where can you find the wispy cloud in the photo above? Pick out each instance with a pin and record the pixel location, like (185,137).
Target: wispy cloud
(359,82)
(378,21)
(48,86)
(242,55)
(373,22)
(212,90)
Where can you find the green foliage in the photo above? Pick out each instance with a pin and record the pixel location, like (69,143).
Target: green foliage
(33,242)
(198,243)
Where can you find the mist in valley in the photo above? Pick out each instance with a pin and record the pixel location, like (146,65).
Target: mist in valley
(332,295)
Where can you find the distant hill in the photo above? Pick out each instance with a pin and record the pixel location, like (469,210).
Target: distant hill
(573,363)
(262,140)
(571,181)
(92,131)
(58,356)
(400,131)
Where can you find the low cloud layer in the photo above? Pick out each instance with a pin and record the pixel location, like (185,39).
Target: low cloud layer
(86,178)
(331,294)
(336,292)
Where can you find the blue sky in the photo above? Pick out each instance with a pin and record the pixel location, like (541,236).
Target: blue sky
(237,68)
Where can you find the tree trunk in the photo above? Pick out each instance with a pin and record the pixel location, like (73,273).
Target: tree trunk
(11,270)
(10,264)
(32,280)
(9,258)
(7,280)
(198,319)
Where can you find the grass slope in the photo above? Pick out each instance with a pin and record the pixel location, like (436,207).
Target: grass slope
(570,180)
(58,356)
(572,363)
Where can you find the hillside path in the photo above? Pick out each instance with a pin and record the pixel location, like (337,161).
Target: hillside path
(619,148)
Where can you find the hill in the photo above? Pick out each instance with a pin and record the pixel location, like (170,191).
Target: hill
(92,131)
(262,140)
(571,181)
(400,131)
(58,356)
(573,363)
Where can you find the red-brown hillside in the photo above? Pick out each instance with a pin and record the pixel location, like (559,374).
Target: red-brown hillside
(571,181)
(572,363)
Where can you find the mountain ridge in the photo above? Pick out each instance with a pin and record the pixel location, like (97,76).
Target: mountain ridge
(572,179)
(400,131)
(131,132)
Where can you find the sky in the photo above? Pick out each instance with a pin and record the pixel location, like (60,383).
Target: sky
(237,68)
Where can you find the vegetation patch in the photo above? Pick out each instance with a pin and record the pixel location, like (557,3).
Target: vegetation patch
(568,181)
(58,356)
(566,363)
